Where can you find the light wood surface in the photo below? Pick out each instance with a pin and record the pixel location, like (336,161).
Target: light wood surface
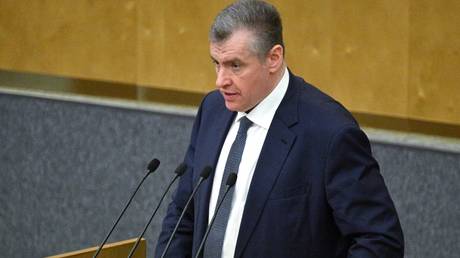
(396,58)
(434,71)
(113,250)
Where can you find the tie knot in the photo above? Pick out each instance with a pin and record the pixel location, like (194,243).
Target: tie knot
(245,123)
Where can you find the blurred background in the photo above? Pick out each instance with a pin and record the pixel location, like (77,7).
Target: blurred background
(90,91)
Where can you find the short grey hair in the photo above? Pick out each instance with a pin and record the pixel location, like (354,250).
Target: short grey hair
(259,17)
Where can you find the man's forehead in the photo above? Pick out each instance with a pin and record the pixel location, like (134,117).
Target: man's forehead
(235,46)
(229,54)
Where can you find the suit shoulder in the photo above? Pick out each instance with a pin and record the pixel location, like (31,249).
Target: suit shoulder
(212,100)
(321,110)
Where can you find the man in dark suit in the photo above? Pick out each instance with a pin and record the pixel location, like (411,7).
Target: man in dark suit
(307,184)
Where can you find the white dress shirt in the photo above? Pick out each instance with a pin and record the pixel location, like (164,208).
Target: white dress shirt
(261,117)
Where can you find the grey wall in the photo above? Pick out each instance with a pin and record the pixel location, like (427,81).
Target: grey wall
(66,170)
(424,185)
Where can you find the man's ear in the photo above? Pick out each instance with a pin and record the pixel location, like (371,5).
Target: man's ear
(275,58)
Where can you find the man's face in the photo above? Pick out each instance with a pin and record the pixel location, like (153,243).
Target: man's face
(242,78)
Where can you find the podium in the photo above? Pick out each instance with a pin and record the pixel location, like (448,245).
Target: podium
(119,249)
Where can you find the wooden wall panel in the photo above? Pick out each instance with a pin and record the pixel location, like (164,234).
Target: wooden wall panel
(434,71)
(83,39)
(307,29)
(173,45)
(395,58)
(356,51)
(369,55)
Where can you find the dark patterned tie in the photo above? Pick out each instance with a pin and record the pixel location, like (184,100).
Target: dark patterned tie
(213,247)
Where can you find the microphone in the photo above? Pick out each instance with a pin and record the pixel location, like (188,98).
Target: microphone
(203,176)
(231,179)
(152,166)
(180,170)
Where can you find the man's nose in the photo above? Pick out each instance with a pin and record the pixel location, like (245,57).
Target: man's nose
(223,79)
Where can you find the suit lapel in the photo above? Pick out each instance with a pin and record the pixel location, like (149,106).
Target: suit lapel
(274,152)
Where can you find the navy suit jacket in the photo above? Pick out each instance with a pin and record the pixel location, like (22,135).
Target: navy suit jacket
(316,191)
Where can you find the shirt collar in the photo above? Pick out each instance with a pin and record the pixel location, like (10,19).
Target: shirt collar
(263,113)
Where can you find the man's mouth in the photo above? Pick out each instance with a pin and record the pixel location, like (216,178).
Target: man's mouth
(230,96)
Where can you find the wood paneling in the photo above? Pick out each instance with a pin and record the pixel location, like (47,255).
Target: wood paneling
(356,51)
(434,71)
(307,28)
(84,39)
(173,45)
(369,55)
(396,58)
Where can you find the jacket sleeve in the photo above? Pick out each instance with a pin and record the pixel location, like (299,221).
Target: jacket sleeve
(181,246)
(362,207)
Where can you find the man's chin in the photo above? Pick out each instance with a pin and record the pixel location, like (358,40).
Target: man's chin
(231,106)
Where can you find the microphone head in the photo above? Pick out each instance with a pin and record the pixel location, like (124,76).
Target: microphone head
(231,179)
(206,172)
(153,165)
(180,170)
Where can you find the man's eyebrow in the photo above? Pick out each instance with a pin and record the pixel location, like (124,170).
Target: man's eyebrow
(229,61)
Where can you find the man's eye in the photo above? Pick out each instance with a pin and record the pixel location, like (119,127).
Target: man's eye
(217,66)
(236,66)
